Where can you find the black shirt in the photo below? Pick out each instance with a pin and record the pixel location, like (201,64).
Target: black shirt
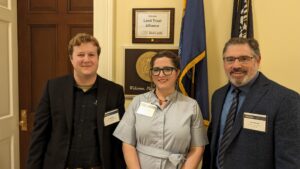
(84,149)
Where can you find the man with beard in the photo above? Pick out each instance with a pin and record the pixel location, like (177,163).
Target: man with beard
(255,122)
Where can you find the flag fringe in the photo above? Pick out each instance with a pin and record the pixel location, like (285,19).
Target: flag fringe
(189,66)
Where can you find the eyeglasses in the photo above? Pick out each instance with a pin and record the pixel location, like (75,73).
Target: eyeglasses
(242,59)
(167,71)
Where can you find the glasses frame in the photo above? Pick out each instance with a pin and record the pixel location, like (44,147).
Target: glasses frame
(164,70)
(242,59)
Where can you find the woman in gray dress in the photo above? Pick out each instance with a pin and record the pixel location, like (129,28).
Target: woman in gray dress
(162,129)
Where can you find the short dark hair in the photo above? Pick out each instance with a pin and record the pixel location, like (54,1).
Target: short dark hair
(81,38)
(253,44)
(171,55)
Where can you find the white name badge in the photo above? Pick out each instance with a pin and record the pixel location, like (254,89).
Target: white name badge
(146,109)
(257,122)
(111,117)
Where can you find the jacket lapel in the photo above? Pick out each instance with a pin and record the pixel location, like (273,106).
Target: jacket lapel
(68,100)
(101,106)
(256,93)
(217,110)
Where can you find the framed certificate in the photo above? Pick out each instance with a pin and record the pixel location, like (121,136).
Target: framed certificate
(153,25)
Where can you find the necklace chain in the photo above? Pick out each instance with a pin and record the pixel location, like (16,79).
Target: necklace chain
(160,100)
(163,100)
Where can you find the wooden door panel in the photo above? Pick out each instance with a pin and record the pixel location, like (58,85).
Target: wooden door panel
(43,55)
(80,5)
(44,30)
(74,29)
(43,5)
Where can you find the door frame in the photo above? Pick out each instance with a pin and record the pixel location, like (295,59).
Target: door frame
(9,118)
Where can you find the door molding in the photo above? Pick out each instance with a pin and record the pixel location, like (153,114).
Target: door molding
(104,31)
(9,116)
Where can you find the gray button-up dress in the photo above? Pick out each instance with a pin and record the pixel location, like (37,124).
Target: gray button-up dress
(165,136)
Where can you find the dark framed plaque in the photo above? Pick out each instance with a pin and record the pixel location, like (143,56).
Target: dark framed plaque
(137,65)
(153,25)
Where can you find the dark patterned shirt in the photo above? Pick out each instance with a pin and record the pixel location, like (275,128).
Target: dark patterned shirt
(84,148)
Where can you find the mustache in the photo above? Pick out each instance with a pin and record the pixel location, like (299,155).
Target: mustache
(238,70)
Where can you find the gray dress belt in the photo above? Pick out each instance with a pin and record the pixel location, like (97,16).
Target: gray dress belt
(176,159)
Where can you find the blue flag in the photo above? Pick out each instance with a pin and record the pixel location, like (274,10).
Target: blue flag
(192,51)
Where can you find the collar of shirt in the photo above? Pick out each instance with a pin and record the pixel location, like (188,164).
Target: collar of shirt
(95,85)
(154,100)
(242,96)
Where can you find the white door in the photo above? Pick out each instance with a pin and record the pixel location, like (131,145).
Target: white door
(9,106)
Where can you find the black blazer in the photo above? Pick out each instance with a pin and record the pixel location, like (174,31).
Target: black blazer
(51,134)
(278,147)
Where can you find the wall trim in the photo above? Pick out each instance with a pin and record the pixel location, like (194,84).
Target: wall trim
(104,32)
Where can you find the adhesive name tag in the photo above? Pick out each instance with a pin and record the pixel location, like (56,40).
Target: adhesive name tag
(253,121)
(111,117)
(146,109)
